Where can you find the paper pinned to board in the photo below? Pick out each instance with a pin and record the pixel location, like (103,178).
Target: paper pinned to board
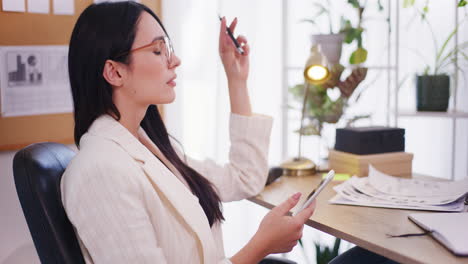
(13,5)
(367,192)
(64,7)
(34,80)
(38,6)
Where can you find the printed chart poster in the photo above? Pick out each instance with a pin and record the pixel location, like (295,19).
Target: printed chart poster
(34,80)
(24,69)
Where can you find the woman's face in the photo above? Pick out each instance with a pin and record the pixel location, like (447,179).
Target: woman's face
(150,79)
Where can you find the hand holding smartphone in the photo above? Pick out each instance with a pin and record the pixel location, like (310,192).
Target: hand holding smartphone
(316,191)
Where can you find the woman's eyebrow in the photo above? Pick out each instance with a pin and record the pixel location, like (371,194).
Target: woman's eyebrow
(157,38)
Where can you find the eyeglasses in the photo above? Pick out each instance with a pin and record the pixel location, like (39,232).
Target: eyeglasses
(158,44)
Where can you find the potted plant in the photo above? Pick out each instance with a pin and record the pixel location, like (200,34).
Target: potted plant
(331,42)
(323,253)
(433,85)
(327,102)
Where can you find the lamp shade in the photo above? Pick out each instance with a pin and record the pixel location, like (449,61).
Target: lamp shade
(316,68)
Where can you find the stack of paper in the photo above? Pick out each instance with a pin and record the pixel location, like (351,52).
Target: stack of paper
(381,190)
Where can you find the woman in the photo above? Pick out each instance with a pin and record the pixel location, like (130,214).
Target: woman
(131,196)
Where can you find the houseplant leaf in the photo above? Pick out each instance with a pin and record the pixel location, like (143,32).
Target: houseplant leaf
(354,3)
(379,3)
(325,254)
(408,3)
(358,56)
(351,33)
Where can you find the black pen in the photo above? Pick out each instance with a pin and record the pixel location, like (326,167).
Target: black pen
(238,47)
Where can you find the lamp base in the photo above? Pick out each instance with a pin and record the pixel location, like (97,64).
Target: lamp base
(298,167)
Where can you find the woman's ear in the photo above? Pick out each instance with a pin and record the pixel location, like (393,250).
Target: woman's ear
(113,73)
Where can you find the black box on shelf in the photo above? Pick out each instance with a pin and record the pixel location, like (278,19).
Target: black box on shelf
(370,140)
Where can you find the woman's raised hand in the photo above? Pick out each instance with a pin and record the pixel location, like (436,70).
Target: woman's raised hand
(236,65)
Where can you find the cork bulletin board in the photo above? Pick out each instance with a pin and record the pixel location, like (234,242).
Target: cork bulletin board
(26,29)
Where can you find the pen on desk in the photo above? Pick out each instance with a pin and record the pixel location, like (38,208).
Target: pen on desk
(238,47)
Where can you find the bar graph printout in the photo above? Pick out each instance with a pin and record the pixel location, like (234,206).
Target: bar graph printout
(34,80)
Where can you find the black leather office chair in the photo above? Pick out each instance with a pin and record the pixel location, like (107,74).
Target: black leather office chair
(37,170)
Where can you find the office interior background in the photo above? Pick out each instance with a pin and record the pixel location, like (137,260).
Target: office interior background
(280,45)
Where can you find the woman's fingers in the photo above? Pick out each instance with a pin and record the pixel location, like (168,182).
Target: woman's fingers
(225,41)
(305,214)
(233,25)
(287,205)
(222,33)
(242,40)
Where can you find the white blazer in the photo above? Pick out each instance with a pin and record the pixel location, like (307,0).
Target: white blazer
(128,207)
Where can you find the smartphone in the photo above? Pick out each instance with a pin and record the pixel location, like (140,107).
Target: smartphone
(317,190)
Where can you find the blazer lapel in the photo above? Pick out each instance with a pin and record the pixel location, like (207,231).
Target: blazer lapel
(185,203)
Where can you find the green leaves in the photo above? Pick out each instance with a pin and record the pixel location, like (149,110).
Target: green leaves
(355,34)
(379,3)
(309,130)
(358,56)
(326,254)
(462,3)
(408,3)
(320,107)
(350,32)
(354,3)
(426,9)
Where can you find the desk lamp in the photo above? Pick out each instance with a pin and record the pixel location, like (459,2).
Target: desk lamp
(315,73)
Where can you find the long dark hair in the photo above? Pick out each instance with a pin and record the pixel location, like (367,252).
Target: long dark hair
(102,32)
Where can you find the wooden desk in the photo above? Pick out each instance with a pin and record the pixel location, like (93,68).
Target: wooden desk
(364,226)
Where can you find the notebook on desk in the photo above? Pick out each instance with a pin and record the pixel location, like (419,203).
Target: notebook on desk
(450,229)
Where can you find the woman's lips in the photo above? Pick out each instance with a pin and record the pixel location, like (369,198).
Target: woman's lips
(172,82)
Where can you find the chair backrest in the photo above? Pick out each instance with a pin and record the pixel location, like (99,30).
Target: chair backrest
(37,170)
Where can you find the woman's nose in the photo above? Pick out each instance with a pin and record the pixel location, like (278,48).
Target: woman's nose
(175,62)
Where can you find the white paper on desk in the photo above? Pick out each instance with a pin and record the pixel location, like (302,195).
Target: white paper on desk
(349,195)
(450,229)
(363,185)
(338,199)
(38,6)
(415,187)
(13,5)
(64,7)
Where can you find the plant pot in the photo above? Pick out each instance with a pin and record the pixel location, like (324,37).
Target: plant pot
(432,92)
(330,45)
